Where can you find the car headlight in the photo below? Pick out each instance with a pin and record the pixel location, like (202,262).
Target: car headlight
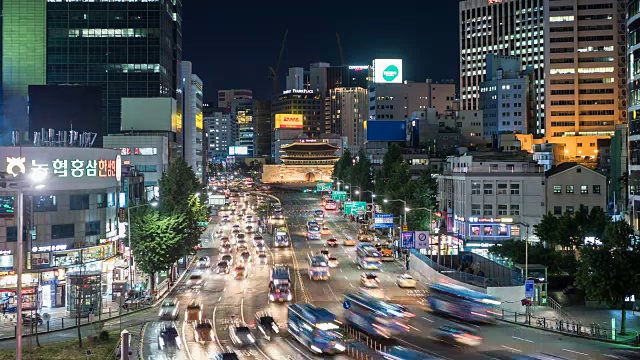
(250,338)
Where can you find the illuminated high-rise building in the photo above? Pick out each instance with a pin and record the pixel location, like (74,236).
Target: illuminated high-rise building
(131,48)
(585,73)
(193,126)
(24,59)
(513,28)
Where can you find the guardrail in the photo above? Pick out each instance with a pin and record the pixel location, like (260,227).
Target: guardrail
(572,327)
(8,329)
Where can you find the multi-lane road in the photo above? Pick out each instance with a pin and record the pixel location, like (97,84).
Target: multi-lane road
(225,299)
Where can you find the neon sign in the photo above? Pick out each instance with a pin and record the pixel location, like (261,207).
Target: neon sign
(296,91)
(38,249)
(67,168)
(358,67)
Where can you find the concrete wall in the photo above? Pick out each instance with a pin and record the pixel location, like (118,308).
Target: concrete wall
(511,297)
(425,274)
(296,173)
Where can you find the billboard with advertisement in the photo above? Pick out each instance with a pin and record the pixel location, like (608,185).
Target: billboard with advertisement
(288,121)
(238,150)
(387,71)
(386,130)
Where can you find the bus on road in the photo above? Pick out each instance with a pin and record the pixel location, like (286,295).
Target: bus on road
(376,317)
(462,303)
(281,238)
(318,267)
(316,328)
(368,257)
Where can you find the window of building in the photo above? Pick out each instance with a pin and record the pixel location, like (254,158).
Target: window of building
(12,234)
(569,189)
(515,189)
(502,209)
(514,209)
(62,231)
(569,210)
(557,189)
(92,228)
(487,210)
(475,209)
(584,189)
(488,189)
(502,189)
(596,189)
(44,203)
(79,202)
(101,201)
(557,210)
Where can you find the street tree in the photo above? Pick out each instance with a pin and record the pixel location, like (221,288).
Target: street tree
(157,240)
(182,195)
(342,167)
(607,272)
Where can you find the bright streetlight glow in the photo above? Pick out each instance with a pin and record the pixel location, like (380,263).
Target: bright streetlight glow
(154,203)
(385,200)
(357,192)
(39,186)
(38,176)
(197,194)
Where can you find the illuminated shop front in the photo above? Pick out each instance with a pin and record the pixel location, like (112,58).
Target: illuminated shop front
(8,288)
(481,233)
(52,288)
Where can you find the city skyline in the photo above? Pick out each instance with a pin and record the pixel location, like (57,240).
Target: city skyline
(364,37)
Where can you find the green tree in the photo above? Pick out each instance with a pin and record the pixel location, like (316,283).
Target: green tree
(181,194)
(608,272)
(157,240)
(421,193)
(557,263)
(360,175)
(177,185)
(392,157)
(342,167)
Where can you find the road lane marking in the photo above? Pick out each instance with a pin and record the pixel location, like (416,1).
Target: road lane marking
(345,277)
(517,338)
(184,339)
(576,352)
(439,356)
(429,320)
(510,348)
(296,349)
(415,328)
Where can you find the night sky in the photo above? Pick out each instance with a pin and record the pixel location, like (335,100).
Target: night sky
(231,44)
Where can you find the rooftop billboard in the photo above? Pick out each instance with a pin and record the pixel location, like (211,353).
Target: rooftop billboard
(386,130)
(387,71)
(288,121)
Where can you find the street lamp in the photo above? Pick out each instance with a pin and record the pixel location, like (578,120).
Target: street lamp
(19,183)
(404,206)
(153,204)
(337,182)
(348,187)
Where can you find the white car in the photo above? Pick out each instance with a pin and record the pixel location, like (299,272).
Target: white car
(333,262)
(406,281)
(369,280)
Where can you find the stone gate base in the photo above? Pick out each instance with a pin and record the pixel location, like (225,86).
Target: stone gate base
(296,173)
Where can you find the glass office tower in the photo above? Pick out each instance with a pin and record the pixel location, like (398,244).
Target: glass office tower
(23,58)
(130,48)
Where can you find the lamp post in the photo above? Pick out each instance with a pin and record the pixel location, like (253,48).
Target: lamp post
(526,249)
(337,183)
(153,203)
(19,183)
(404,207)
(347,186)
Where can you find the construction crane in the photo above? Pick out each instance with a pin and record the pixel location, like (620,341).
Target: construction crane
(340,48)
(273,73)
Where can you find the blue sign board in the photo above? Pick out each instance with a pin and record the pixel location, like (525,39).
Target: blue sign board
(528,289)
(383,221)
(408,239)
(346,304)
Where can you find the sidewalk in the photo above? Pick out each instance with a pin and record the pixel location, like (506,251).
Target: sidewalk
(61,319)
